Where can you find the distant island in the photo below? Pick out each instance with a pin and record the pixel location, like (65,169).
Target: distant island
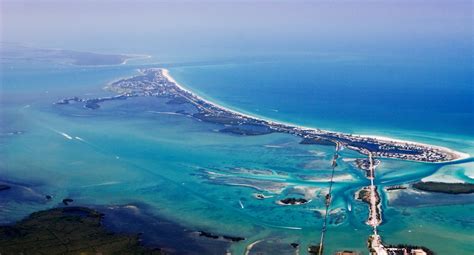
(157,82)
(11,51)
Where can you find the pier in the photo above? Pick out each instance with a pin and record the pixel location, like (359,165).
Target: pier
(328,200)
(156,82)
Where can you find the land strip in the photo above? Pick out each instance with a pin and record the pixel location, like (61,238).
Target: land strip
(158,82)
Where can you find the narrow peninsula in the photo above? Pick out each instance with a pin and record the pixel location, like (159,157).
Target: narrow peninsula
(157,82)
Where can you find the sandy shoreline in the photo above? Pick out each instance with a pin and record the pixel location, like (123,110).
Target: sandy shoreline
(457,154)
(442,178)
(460,155)
(134,56)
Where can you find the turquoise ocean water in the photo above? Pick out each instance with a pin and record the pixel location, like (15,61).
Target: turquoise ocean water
(396,69)
(132,152)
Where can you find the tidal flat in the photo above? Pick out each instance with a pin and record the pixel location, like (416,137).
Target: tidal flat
(145,152)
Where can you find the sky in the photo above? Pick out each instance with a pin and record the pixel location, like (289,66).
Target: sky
(240,26)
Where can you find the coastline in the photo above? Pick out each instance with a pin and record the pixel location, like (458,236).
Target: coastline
(135,56)
(461,155)
(72,57)
(158,82)
(171,79)
(457,154)
(44,232)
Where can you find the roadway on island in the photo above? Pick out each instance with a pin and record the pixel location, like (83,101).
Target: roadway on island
(375,214)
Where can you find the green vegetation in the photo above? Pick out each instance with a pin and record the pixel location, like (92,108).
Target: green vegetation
(364,195)
(314,249)
(318,141)
(449,188)
(68,230)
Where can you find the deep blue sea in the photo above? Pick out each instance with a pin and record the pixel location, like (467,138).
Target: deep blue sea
(350,93)
(131,154)
(365,72)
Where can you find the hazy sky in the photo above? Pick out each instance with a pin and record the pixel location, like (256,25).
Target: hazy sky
(240,25)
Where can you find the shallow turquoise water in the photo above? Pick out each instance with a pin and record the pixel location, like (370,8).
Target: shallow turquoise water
(401,69)
(130,152)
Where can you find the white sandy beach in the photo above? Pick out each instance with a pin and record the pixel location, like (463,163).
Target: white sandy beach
(457,154)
